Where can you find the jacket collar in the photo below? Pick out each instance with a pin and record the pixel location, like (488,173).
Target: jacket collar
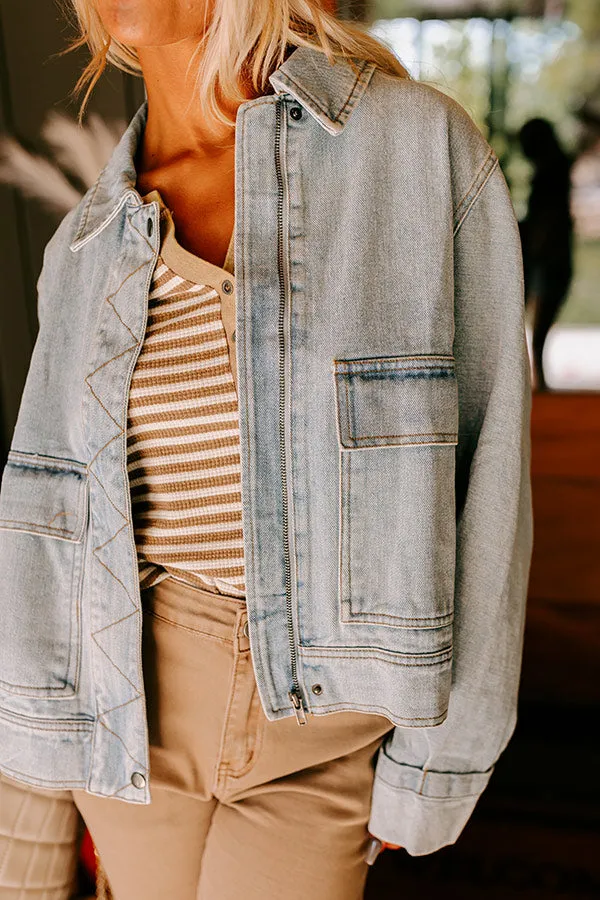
(328,93)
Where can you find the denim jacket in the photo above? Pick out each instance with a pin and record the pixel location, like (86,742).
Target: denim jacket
(384,408)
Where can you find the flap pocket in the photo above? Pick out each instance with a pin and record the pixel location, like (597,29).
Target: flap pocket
(396,400)
(43,495)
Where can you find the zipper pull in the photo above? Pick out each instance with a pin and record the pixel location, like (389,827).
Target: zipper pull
(296,699)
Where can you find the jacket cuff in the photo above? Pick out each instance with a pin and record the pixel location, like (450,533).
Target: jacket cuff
(419,809)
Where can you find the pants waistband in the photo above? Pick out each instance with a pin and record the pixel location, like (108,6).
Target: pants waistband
(196,609)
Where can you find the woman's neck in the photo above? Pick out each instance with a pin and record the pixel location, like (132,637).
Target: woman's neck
(176,127)
(188,160)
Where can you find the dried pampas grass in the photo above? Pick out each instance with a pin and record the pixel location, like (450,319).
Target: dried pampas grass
(76,151)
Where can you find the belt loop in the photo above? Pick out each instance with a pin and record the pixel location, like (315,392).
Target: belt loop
(243,631)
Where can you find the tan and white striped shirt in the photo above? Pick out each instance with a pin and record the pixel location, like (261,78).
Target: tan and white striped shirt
(183,441)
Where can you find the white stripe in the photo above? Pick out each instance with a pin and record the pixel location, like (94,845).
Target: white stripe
(160,270)
(180,439)
(198,494)
(155,530)
(158,337)
(179,304)
(177,312)
(197,456)
(175,353)
(183,315)
(175,282)
(178,369)
(181,477)
(159,300)
(192,403)
(158,353)
(201,545)
(181,423)
(191,566)
(199,384)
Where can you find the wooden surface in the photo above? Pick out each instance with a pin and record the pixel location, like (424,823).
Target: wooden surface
(562,644)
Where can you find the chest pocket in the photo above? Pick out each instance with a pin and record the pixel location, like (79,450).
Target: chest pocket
(397,422)
(43,514)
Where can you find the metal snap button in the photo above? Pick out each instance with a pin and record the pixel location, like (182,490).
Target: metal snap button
(227,287)
(245,629)
(149,227)
(317,689)
(296,112)
(138,780)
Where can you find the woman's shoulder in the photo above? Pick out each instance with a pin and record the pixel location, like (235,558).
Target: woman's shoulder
(428,127)
(424,102)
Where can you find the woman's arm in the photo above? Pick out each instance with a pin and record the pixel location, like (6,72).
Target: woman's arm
(428,780)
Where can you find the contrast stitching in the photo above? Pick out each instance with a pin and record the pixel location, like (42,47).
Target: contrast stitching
(118,737)
(123,787)
(307,94)
(42,525)
(232,773)
(120,671)
(20,460)
(372,706)
(348,531)
(350,100)
(137,230)
(61,781)
(397,787)
(403,618)
(223,766)
(321,650)
(198,631)
(119,432)
(66,686)
(367,437)
(348,426)
(485,180)
(385,359)
(393,662)
(422,373)
(490,154)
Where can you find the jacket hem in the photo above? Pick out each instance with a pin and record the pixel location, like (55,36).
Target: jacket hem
(60,755)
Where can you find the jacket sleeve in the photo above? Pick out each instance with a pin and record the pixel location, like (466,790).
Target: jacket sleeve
(428,780)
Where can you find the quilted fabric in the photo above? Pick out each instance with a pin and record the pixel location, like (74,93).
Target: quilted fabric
(39,837)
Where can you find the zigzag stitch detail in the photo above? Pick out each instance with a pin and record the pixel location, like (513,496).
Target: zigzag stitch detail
(95,550)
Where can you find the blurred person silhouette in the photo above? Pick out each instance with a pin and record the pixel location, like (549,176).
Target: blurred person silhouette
(546,233)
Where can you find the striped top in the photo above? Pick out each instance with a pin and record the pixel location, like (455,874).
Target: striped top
(183,441)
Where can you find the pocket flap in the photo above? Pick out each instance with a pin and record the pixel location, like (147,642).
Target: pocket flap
(396,400)
(43,495)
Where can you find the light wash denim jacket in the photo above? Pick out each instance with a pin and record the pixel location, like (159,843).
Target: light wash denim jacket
(384,403)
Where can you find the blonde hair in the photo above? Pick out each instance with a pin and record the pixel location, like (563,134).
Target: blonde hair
(242,37)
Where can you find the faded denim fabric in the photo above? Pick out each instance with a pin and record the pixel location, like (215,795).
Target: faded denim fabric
(384,401)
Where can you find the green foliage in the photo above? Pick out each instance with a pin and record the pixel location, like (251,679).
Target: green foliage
(526,67)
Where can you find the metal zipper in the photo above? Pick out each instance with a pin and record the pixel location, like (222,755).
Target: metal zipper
(295,694)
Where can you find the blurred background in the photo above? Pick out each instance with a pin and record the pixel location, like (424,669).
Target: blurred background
(528,72)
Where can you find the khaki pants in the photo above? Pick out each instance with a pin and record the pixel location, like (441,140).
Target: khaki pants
(241,806)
